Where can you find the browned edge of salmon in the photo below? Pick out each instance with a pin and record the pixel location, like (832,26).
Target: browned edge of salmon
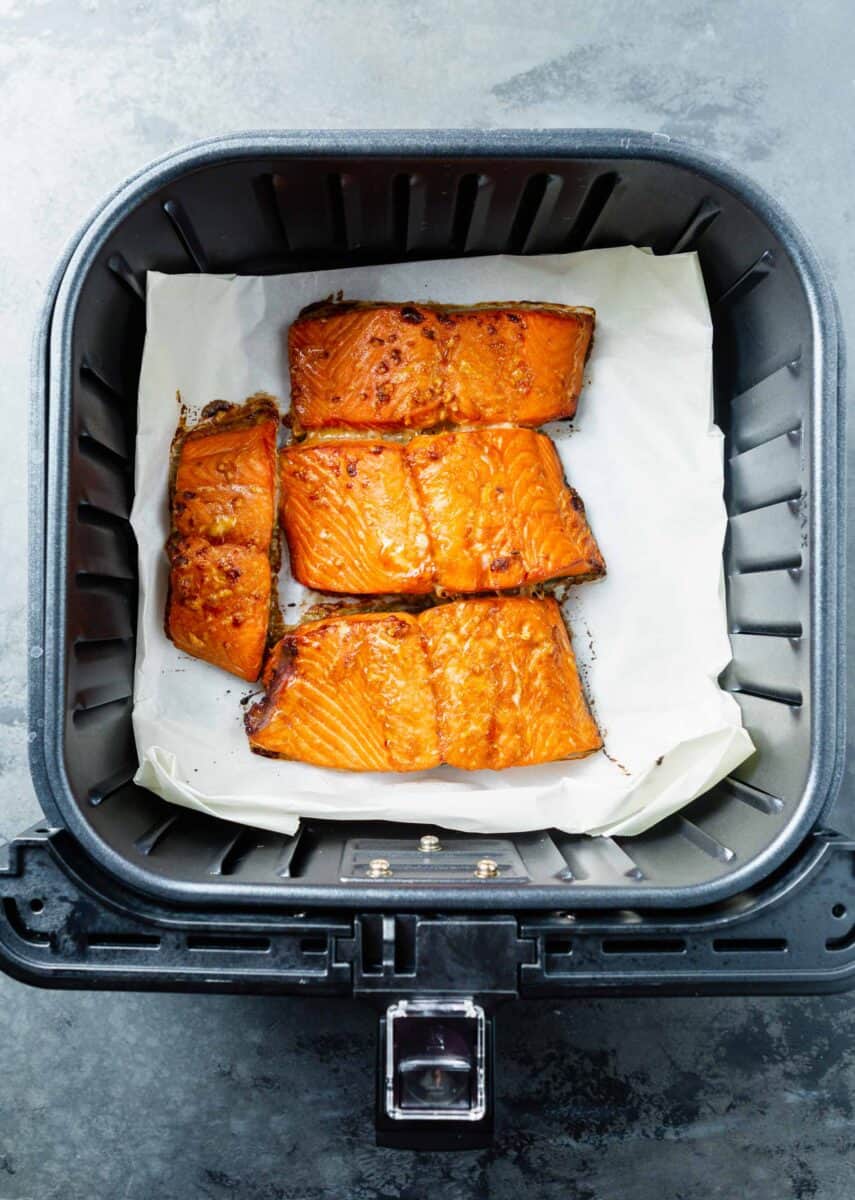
(331,306)
(278,669)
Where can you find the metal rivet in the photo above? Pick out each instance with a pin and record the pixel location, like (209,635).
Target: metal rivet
(486,868)
(428,843)
(378,867)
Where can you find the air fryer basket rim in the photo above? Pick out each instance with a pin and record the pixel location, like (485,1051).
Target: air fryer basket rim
(47,553)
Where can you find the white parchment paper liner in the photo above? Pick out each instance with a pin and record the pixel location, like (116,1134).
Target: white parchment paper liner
(651,638)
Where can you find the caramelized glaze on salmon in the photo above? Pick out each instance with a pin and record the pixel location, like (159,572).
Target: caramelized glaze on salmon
(350,692)
(505,683)
(470,511)
(488,683)
(352,518)
(415,366)
(498,510)
(223,519)
(219,603)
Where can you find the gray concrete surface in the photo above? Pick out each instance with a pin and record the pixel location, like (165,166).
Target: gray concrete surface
(142,1096)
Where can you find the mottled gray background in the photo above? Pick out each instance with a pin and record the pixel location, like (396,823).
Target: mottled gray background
(122,1096)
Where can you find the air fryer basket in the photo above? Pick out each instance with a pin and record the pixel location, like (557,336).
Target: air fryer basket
(278,203)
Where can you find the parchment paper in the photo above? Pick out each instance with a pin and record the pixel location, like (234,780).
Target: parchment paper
(643,452)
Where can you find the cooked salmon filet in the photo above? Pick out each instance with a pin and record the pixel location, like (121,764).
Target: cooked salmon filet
(486,683)
(225,485)
(505,683)
(469,511)
(498,510)
(352,519)
(219,603)
(349,692)
(223,501)
(358,365)
(517,363)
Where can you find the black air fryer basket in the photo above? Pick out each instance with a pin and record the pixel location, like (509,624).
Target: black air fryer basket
(748,888)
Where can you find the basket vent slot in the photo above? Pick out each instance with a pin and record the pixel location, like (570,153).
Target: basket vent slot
(472,204)
(119,266)
(759,270)
(97,694)
(92,581)
(86,718)
(224,942)
(753,796)
(314,945)
(339,196)
(700,221)
(785,561)
(569,850)
(112,783)
(401,185)
(786,629)
(793,494)
(405,946)
(535,208)
(704,841)
(265,188)
(186,234)
(643,946)
(93,375)
(749,945)
(148,841)
(620,860)
(774,401)
(96,649)
(591,209)
(101,518)
(102,454)
(372,936)
(791,699)
(769,473)
(122,941)
(226,861)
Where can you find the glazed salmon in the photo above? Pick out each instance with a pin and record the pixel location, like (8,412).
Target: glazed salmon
(360,365)
(225,477)
(223,520)
(488,683)
(219,603)
(349,692)
(469,511)
(498,510)
(506,685)
(352,518)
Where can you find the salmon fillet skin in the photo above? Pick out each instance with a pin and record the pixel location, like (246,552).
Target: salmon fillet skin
(223,504)
(460,512)
(382,366)
(478,684)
